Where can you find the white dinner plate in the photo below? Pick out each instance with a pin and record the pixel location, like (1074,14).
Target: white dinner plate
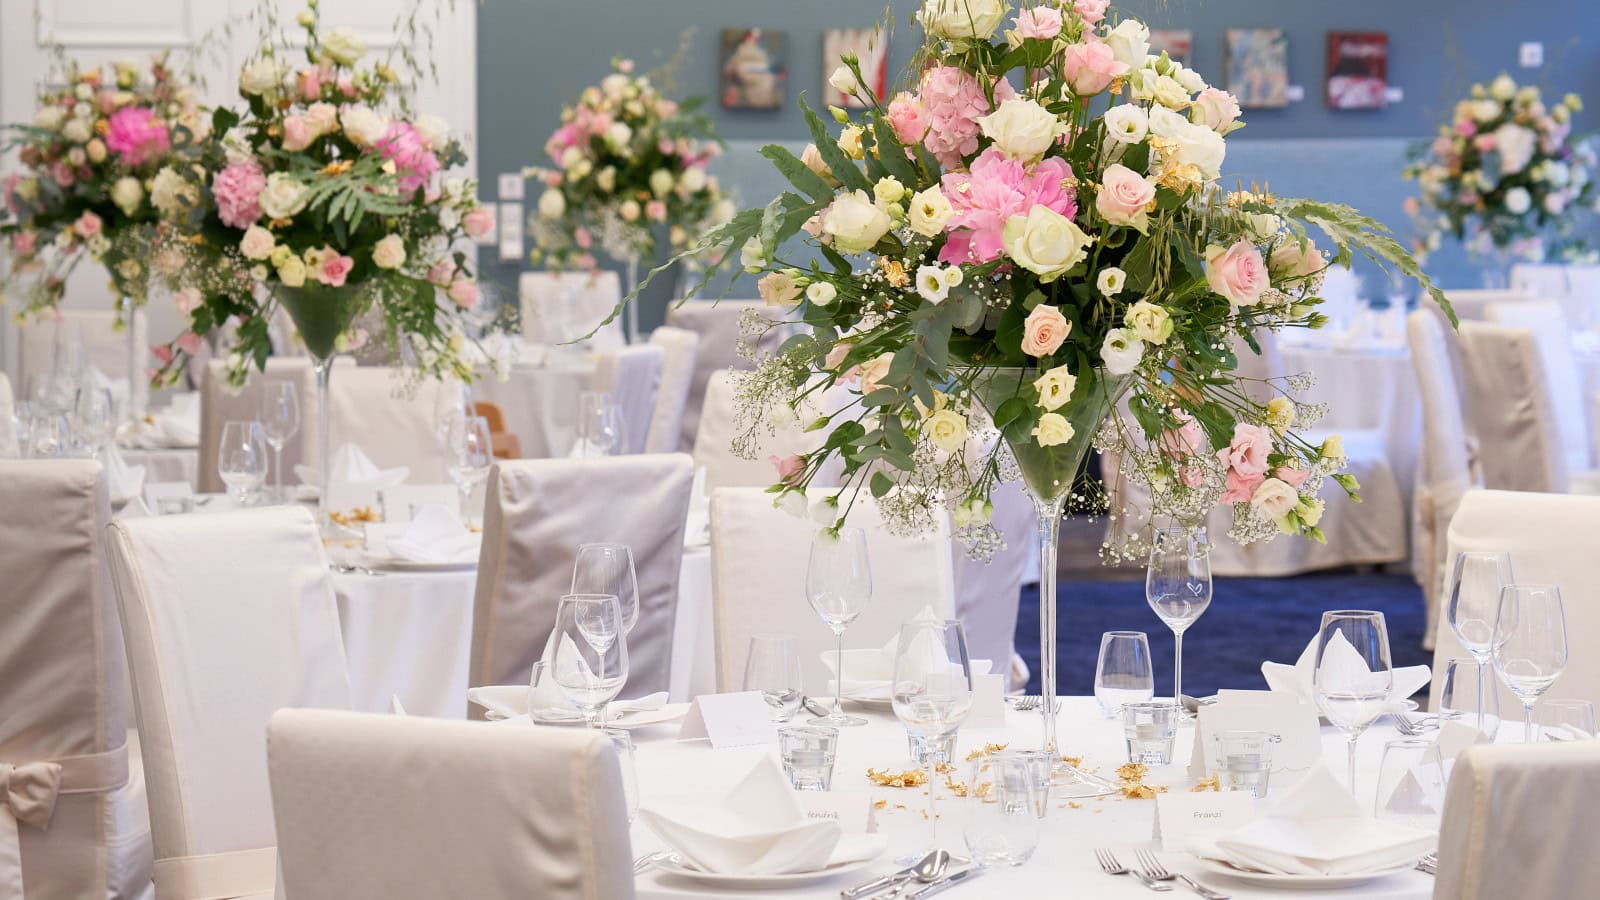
(674,865)
(629,720)
(1300,882)
(407,565)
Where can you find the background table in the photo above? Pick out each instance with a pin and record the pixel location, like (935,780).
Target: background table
(540,402)
(408,635)
(166,464)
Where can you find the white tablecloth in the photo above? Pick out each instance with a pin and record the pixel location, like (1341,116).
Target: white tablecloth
(408,635)
(541,402)
(1063,866)
(169,464)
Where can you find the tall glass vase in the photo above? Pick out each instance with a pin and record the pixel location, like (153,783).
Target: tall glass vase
(1048,474)
(633,308)
(134,407)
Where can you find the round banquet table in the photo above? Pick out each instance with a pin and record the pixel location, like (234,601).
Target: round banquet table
(1064,863)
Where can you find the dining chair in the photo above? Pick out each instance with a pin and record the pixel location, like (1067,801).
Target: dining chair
(1576,414)
(717,322)
(506,445)
(391,417)
(538,512)
(558,307)
(227,618)
(677,377)
(1472,305)
(105,345)
(737,453)
(1519,821)
(220,403)
(374,807)
(63,687)
(1540,279)
(632,376)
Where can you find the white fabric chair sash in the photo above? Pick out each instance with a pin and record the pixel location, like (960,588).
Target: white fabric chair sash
(632,375)
(218,876)
(28,795)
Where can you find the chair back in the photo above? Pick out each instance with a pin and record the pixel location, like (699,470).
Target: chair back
(506,445)
(632,375)
(105,346)
(734,454)
(558,307)
(1553,334)
(393,420)
(677,377)
(221,403)
(988,593)
(1511,405)
(717,324)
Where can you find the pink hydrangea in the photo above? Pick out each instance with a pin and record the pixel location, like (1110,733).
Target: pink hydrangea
(237,189)
(908,116)
(135,134)
(414,162)
(996,189)
(954,100)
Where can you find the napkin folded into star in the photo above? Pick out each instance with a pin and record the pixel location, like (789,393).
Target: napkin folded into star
(1298,679)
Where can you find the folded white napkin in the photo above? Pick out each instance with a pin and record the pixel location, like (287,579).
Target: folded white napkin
(135,509)
(758,828)
(1298,679)
(510,701)
(1317,828)
(351,465)
(174,425)
(124,482)
(436,535)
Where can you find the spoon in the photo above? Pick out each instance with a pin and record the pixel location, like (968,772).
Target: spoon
(936,861)
(927,870)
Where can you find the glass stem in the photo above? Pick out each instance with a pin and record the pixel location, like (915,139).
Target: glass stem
(1177,669)
(1049,531)
(1527,722)
(1350,747)
(323,368)
(277,474)
(1483,703)
(838,674)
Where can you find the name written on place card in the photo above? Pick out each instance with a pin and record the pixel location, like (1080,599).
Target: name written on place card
(740,719)
(1182,818)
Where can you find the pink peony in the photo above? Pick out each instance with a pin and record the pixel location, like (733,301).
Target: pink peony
(414,162)
(1125,196)
(334,268)
(1090,68)
(478,222)
(788,467)
(1237,273)
(135,134)
(909,118)
(188,342)
(464,293)
(88,225)
(954,101)
(1092,11)
(237,189)
(995,190)
(1247,453)
(1041,22)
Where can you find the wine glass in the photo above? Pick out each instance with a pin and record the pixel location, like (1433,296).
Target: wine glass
(468,456)
(1122,674)
(590,662)
(838,585)
(93,420)
(1466,697)
(49,436)
(599,425)
(452,405)
(773,668)
(280,421)
(932,694)
(1474,601)
(1530,643)
(1177,585)
(1353,674)
(1566,720)
(242,459)
(608,569)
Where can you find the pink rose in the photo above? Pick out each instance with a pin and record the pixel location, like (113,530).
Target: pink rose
(346,86)
(1090,68)
(88,225)
(1186,440)
(1412,206)
(107,101)
(1240,488)
(1465,128)
(836,355)
(334,268)
(1125,197)
(1237,273)
(666,146)
(441,272)
(909,118)
(310,83)
(1044,330)
(464,293)
(478,222)
(62,173)
(1291,261)
(297,133)
(162,353)
(656,210)
(788,467)
(188,342)
(237,190)
(1041,22)
(1293,477)
(24,243)
(1092,11)
(1216,109)
(874,371)
(1484,142)
(1247,453)
(187,300)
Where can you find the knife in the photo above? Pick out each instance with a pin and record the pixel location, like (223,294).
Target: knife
(946,882)
(877,884)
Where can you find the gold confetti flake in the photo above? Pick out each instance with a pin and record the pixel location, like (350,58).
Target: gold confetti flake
(908,778)
(880,804)
(1207,784)
(1074,761)
(1139,791)
(1073,804)
(359,514)
(893,271)
(987,750)
(958,788)
(1132,771)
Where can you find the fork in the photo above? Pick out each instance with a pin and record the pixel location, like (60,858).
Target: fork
(1153,868)
(1414,727)
(649,859)
(1108,864)
(1033,703)
(1429,864)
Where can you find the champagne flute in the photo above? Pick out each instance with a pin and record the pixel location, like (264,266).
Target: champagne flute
(1474,602)
(838,585)
(608,569)
(242,459)
(932,694)
(773,668)
(468,457)
(590,662)
(1177,585)
(1353,673)
(1530,644)
(280,421)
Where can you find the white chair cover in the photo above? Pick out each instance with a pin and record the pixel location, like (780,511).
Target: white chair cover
(537,513)
(1510,403)
(1540,279)
(1551,541)
(220,403)
(564,306)
(62,674)
(1582,302)
(1553,333)
(1519,822)
(717,323)
(105,346)
(375,807)
(8,435)
(393,419)
(988,594)
(1473,305)
(228,617)
(677,377)
(759,557)
(632,375)
(720,433)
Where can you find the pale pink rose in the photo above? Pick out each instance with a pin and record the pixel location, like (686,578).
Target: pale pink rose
(1092,11)
(478,222)
(441,272)
(1125,196)
(1442,147)
(1041,22)
(1290,260)
(257,243)
(334,268)
(464,293)
(106,101)
(1484,142)
(322,117)
(813,226)
(909,118)
(1044,330)
(583,238)
(1247,453)
(666,146)
(297,133)
(1090,68)
(1186,440)
(1292,476)
(188,342)
(187,300)
(63,174)
(873,371)
(836,355)
(346,86)
(1240,488)
(656,210)
(666,107)
(1217,108)
(162,353)
(1466,128)
(788,467)
(355,339)
(88,225)
(310,83)
(24,243)
(1237,273)
(779,289)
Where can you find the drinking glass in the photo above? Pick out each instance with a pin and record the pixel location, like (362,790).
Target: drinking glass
(1150,728)
(1530,644)
(590,661)
(1410,784)
(1566,720)
(623,743)
(1353,674)
(608,569)
(838,586)
(599,425)
(468,456)
(1177,585)
(1003,797)
(1122,674)
(1471,607)
(773,668)
(451,406)
(808,753)
(1244,761)
(280,421)
(94,417)
(932,694)
(21,425)
(49,436)
(242,459)
(1466,697)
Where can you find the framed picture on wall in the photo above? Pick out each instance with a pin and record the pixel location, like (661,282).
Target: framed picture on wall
(1358,69)
(754,68)
(870,46)
(1178,43)
(1258,66)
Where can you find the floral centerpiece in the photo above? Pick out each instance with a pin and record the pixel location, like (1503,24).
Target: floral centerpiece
(1503,175)
(1026,237)
(92,156)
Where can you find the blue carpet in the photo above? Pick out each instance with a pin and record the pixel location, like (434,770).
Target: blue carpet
(1249,620)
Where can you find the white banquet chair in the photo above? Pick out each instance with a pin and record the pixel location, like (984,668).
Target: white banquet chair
(632,375)
(391,418)
(105,346)
(677,377)
(717,324)
(1552,330)
(63,688)
(1519,821)
(374,807)
(1472,305)
(759,557)
(220,403)
(8,408)
(227,618)
(558,307)
(1540,279)
(537,514)
(720,432)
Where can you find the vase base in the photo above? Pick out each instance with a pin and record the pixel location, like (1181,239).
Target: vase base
(837,720)
(1072,783)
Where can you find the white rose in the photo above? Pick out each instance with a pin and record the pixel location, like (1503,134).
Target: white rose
(1053,430)
(618,134)
(1169,93)
(362,125)
(1121,351)
(962,19)
(888,190)
(257,243)
(551,204)
(693,179)
(930,211)
(1127,123)
(1129,43)
(1274,498)
(821,293)
(843,80)
(1485,110)
(434,131)
(283,197)
(389,252)
(1022,129)
(1503,88)
(259,76)
(77,131)
(947,429)
(127,194)
(1516,146)
(236,145)
(343,46)
(169,193)
(661,182)
(1518,201)
(1045,242)
(1111,281)
(854,222)
(49,118)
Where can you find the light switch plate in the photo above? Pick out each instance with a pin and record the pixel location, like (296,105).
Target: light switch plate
(511,186)
(1294,93)
(1393,94)
(1531,55)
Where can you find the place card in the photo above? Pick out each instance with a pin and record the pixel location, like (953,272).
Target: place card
(1180,818)
(988,702)
(1456,736)
(851,809)
(1293,721)
(740,719)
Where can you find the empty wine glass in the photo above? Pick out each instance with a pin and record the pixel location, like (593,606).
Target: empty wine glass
(1471,607)
(468,457)
(1353,673)
(280,421)
(599,425)
(49,436)
(590,659)
(1565,720)
(773,668)
(838,586)
(1530,644)
(1122,674)
(622,742)
(1177,585)
(1465,697)
(94,417)
(932,694)
(608,569)
(242,459)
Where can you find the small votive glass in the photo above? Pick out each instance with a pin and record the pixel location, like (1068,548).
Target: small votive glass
(1244,760)
(931,749)
(1002,823)
(1041,763)
(1150,728)
(808,752)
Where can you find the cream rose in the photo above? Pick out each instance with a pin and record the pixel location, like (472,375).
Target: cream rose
(779,289)
(661,182)
(1022,129)
(343,46)
(1044,330)
(1125,198)
(1274,498)
(930,212)
(1045,242)
(1129,43)
(947,429)
(873,371)
(389,252)
(552,205)
(362,125)
(1237,273)
(854,222)
(1053,430)
(1151,323)
(292,272)
(257,243)
(127,194)
(259,76)
(962,19)
(1121,351)
(1055,388)
(50,118)
(283,197)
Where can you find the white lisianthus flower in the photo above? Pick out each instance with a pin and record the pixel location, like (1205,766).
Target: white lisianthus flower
(930,212)
(1484,110)
(854,222)
(661,182)
(1053,430)
(292,272)
(1189,78)
(955,20)
(930,284)
(1169,93)
(1055,388)
(1310,510)
(953,276)
(389,252)
(1190,143)
(1022,129)
(751,257)
(1274,498)
(50,118)
(947,429)
(821,293)
(363,126)
(1126,123)
(617,136)
(259,76)
(1518,201)
(342,46)
(888,190)
(1129,43)
(1121,351)
(1554,204)
(843,80)
(1152,323)
(1111,281)
(1332,449)
(825,511)
(850,141)
(169,193)
(1045,242)
(127,193)
(793,503)
(552,205)
(257,243)
(283,197)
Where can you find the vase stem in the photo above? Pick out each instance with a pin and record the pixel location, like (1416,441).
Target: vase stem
(633,308)
(133,410)
(323,366)
(1049,511)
